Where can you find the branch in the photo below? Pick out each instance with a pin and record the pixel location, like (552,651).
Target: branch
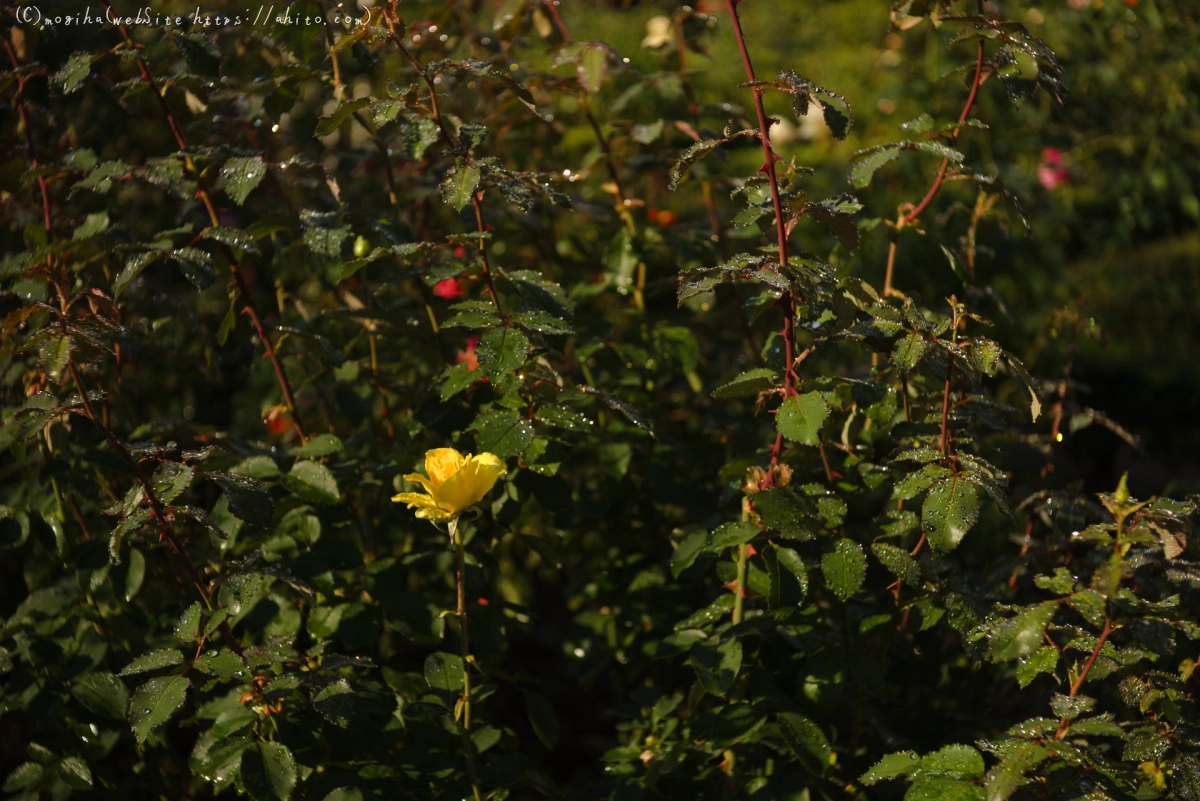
(764,135)
(215,220)
(1064,724)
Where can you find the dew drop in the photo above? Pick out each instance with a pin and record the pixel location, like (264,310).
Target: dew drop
(145,711)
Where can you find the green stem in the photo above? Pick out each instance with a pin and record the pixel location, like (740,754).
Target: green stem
(739,598)
(464,724)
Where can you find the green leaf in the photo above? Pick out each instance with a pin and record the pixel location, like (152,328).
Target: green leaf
(1043,660)
(154,703)
(845,568)
(735,723)
(542,718)
(790,561)
(417,134)
(27,775)
(335,120)
(75,773)
(950,510)
(159,658)
(919,124)
(564,418)
(248,498)
(686,552)
(678,643)
(1142,745)
(312,481)
(899,562)
(501,350)
(717,664)
(800,418)
(951,762)
(1096,726)
(459,185)
(133,268)
(593,67)
(473,318)
(915,483)
(748,383)
(170,480)
(56,353)
(780,509)
(280,768)
(92,225)
(268,771)
(444,671)
(259,467)
(102,693)
(944,790)
(320,445)
(536,290)
(1004,779)
(890,767)
(225,665)
(240,175)
(1071,707)
(542,322)
(689,158)
(73,72)
(1021,635)
(709,614)
(335,702)
(806,741)
(234,237)
(860,176)
(908,352)
(939,150)
(502,432)
(187,629)
(731,534)
(344,794)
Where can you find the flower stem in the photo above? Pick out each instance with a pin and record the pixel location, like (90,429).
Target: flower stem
(464,724)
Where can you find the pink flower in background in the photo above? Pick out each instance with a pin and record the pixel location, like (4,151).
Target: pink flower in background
(1051,171)
(449,289)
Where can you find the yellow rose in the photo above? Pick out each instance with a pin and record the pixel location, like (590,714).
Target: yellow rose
(455,483)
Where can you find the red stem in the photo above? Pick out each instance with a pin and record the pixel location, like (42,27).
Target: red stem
(1063,724)
(41,181)
(764,135)
(552,6)
(962,118)
(250,308)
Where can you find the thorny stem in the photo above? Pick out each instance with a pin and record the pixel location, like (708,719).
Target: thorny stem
(764,135)
(461,611)
(906,219)
(165,525)
(1063,724)
(164,521)
(41,180)
(436,113)
(250,308)
(962,118)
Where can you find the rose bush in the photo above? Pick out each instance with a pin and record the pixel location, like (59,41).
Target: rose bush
(775,494)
